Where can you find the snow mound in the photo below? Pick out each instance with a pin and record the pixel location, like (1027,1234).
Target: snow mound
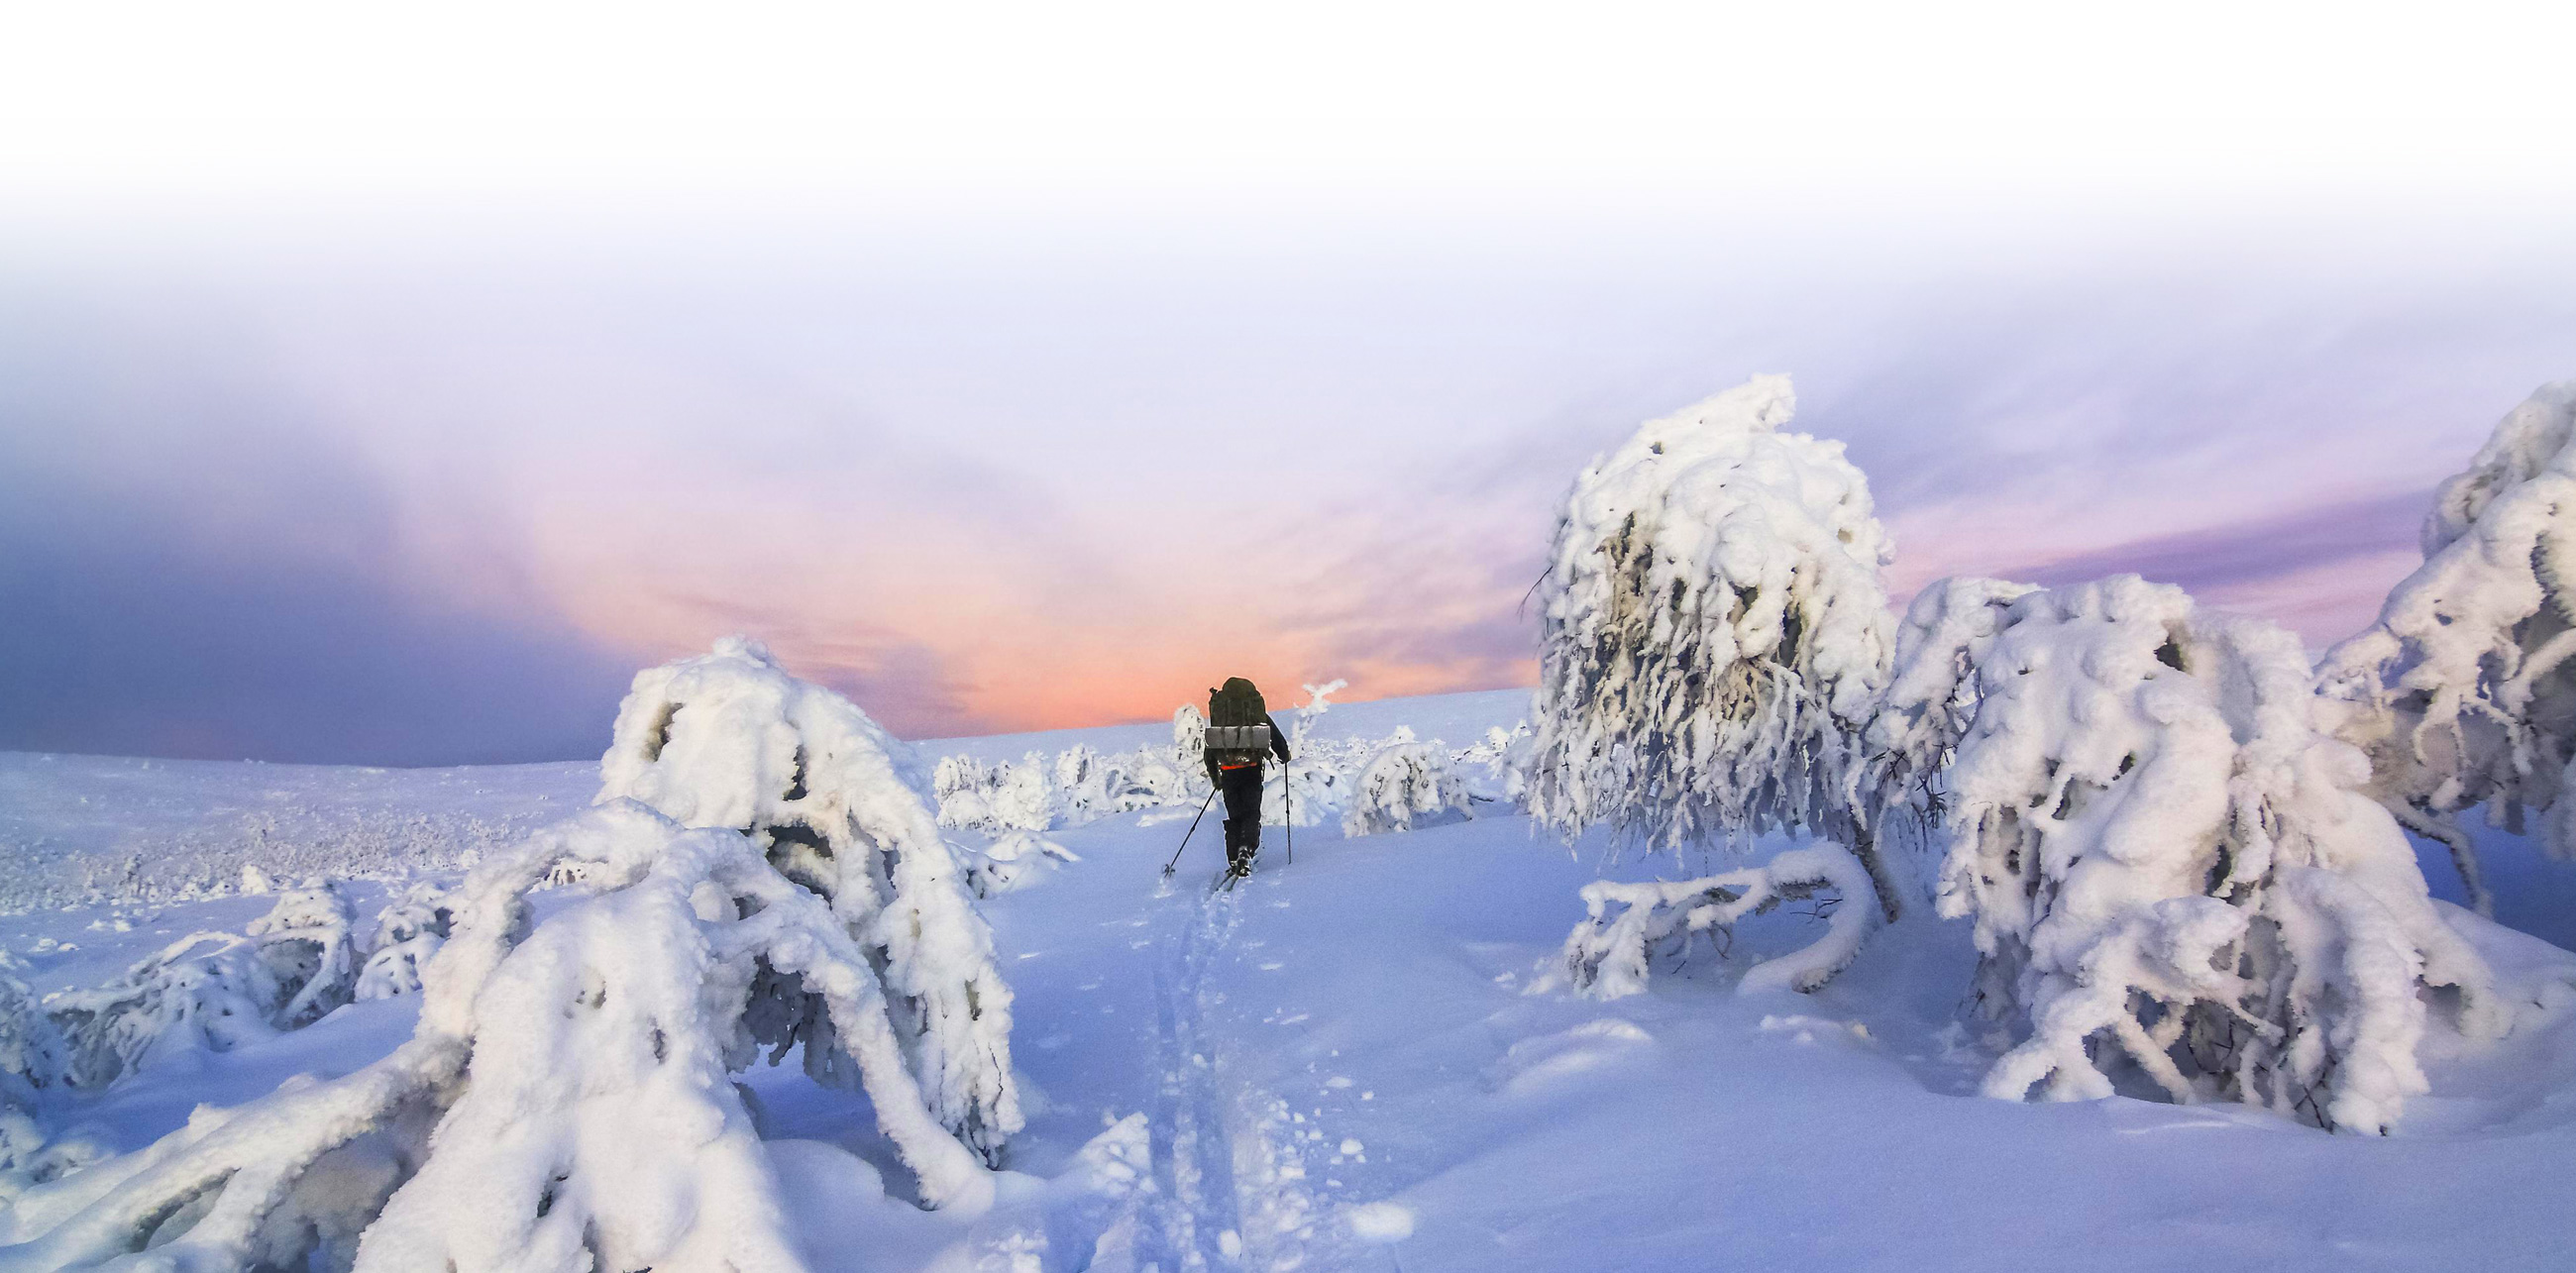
(729,739)
(1532,1065)
(1013,862)
(1379,1223)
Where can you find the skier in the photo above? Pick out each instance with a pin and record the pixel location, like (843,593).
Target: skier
(1241,740)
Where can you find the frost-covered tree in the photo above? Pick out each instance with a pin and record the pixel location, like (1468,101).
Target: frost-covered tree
(729,739)
(34,1064)
(408,931)
(2463,693)
(597,1126)
(1404,786)
(959,786)
(33,1055)
(2169,863)
(205,991)
(1930,698)
(213,991)
(1021,798)
(1189,743)
(306,938)
(1713,636)
(1310,789)
(1091,785)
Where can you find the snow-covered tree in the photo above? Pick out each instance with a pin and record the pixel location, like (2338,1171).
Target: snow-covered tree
(306,938)
(1189,744)
(408,931)
(1404,786)
(1493,764)
(1021,798)
(959,787)
(729,739)
(32,1052)
(2462,693)
(1714,635)
(1309,789)
(1091,785)
(1930,698)
(597,1126)
(213,991)
(34,1064)
(2169,863)
(207,991)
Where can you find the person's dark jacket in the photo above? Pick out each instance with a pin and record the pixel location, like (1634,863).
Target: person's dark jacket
(1278,745)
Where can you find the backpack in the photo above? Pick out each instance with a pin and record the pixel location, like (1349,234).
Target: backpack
(1238,724)
(1237,704)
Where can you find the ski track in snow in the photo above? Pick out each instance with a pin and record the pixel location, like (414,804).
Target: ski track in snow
(1231,1193)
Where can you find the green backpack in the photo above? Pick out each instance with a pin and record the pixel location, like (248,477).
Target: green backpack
(1234,712)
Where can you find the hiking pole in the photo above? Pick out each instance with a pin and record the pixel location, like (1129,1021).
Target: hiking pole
(1194,830)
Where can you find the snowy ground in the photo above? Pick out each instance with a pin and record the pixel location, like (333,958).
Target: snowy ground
(1336,1066)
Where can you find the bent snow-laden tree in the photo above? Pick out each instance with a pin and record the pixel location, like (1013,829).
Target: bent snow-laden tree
(729,739)
(2168,861)
(564,1105)
(2463,693)
(1407,785)
(213,991)
(1714,635)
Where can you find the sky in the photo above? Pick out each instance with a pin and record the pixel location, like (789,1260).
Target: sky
(387,388)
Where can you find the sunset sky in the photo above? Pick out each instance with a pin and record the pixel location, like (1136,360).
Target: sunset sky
(399,418)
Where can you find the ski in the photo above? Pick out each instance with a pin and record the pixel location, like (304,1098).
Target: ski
(1229,877)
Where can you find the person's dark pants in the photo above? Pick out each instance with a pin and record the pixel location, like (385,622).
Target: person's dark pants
(1242,788)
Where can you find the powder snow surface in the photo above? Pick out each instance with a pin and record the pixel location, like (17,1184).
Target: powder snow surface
(1336,1066)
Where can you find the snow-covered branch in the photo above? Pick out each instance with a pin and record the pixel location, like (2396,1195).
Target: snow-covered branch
(1625,926)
